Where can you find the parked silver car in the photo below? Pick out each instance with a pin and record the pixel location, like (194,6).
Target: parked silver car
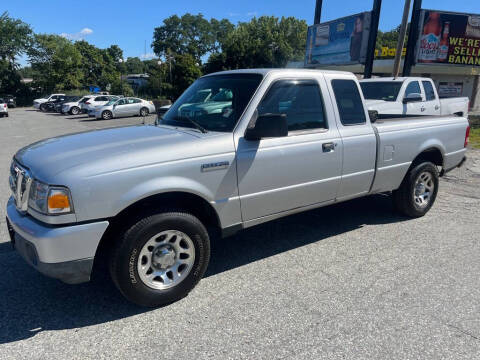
(124,107)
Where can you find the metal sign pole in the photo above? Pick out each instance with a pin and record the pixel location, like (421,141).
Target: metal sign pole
(318,12)
(412,38)
(377,4)
(401,39)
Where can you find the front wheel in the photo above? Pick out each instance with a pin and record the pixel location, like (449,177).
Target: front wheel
(144,112)
(107,115)
(418,191)
(43,108)
(160,258)
(75,110)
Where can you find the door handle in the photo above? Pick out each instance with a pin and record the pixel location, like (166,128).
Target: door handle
(437,107)
(328,147)
(422,108)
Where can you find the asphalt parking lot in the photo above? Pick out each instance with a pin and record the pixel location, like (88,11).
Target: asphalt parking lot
(350,281)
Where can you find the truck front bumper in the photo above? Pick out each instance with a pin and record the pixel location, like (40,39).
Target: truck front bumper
(61,252)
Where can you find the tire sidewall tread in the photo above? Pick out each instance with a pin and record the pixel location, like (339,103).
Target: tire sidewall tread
(124,258)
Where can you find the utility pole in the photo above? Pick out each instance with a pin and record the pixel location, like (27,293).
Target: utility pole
(401,39)
(412,38)
(318,12)
(377,5)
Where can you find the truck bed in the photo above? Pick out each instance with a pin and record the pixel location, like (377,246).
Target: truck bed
(399,139)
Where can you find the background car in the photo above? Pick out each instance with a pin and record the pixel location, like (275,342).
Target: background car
(124,107)
(74,107)
(3,108)
(95,101)
(59,104)
(10,100)
(38,102)
(49,106)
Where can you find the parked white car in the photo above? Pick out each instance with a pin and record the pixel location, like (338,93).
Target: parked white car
(409,96)
(124,107)
(37,103)
(3,107)
(95,101)
(74,107)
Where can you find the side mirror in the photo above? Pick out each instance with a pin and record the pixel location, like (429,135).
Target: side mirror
(266,126)
(373,114)
(412,97)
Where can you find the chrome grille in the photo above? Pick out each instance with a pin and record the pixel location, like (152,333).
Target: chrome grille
(20,182)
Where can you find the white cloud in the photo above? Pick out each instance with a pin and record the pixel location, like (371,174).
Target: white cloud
(252,13)
(147,56)
(78,35)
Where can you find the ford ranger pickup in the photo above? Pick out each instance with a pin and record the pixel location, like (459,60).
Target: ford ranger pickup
(149,198)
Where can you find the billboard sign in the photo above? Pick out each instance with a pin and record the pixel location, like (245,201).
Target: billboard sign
(338,42)
(448,38)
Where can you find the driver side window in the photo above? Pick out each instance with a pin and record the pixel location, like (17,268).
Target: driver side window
(299,100)
(413,88)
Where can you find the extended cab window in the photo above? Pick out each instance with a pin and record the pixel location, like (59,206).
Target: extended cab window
(429,92)
(413,88)
(300,100)
(349,102)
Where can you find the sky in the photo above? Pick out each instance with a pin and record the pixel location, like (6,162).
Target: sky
(130,24)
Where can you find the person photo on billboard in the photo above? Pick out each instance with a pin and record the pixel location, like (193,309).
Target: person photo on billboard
(356,39)
(430,39)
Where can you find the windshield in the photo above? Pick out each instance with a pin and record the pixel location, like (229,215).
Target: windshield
(228,95)
(381,90)
(111,102)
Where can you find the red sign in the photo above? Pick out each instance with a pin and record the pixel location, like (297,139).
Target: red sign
(449,38)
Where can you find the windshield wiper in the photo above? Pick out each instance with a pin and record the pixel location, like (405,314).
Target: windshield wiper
(193,122)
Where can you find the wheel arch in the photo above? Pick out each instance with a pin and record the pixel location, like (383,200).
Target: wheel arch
(168,200)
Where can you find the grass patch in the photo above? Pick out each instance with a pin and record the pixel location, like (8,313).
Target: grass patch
(474,139)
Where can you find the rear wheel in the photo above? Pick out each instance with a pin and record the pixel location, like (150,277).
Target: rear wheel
(75,110)
(144,111)
(160,258)
(107,115)
(418,191)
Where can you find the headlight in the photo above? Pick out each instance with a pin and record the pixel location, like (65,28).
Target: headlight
(50,200)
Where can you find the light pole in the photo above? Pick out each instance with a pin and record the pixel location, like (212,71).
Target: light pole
(401,39)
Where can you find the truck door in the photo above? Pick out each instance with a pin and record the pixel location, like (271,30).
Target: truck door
(432,103)
(301,169)
(358,137)
(416,107)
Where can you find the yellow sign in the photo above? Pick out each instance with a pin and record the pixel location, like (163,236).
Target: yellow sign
(388,52)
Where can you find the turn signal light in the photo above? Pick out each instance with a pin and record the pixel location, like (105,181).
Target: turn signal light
(58,202)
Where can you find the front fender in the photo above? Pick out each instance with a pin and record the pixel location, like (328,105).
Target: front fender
(161,185)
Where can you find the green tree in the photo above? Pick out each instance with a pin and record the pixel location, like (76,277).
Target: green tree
(185,71)
(263,42)
(15,39)
(134,65)
(190,34)
(56,63)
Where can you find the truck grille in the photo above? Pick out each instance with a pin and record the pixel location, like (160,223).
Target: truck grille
(20,182)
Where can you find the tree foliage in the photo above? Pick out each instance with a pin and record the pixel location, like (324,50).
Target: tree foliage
(190,34)
(15,38)
(56,63)
(263,42)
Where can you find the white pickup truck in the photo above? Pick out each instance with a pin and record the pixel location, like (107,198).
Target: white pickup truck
(409,96)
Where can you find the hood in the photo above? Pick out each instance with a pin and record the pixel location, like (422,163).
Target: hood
(103,150)
(71,103)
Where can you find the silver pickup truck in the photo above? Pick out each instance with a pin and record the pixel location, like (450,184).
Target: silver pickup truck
(147,199)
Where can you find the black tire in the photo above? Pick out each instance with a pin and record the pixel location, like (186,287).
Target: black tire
(43,108)
(404,196)
(75,110)
(125,253)
(144,111)
(107,115)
